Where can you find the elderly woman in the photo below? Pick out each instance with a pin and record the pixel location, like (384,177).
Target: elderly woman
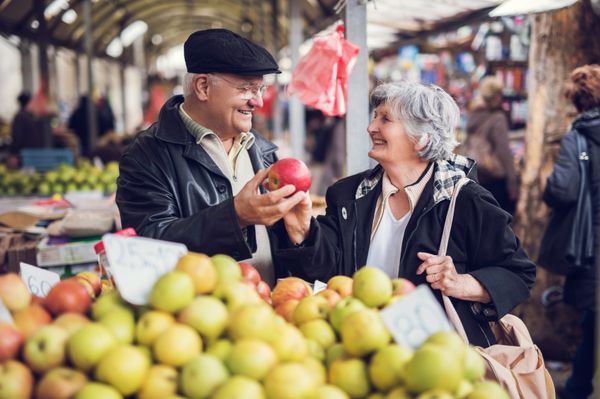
(392,216)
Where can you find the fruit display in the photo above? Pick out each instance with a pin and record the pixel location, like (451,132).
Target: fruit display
(212,330)
(63,179)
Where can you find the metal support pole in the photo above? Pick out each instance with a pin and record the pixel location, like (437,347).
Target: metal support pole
(42,42)
(122,68)
(357,116)
(26,65)
(277,109)
(297,125)
(88,45)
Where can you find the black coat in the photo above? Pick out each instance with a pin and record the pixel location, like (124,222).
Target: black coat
(481,243)
(561,193)
(169,188)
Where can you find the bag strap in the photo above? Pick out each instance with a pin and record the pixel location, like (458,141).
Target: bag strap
(449,307)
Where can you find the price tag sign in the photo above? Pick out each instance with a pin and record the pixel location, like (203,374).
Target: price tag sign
(413,318)
(5,315)
(319,286)
(136,263)
(38,280)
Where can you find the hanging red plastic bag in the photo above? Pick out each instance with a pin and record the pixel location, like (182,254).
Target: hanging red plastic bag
(321,77)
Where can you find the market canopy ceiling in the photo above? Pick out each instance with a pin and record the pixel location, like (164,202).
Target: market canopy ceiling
(168,23)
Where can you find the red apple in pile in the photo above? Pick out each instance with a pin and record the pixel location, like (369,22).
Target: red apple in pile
(68,296)
(91,281)
(11,341)
(289,171)
(290,288)
(249,273)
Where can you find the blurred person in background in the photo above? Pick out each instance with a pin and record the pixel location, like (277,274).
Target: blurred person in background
(22,131)
(487,143)
(563,193)
(195,176)
(78,122)
(392,216)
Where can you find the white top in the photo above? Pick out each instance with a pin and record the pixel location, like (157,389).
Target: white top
(386,245)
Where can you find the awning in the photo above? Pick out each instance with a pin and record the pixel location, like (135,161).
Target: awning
(520,7)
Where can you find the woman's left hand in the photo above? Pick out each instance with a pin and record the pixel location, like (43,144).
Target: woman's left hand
(442,275)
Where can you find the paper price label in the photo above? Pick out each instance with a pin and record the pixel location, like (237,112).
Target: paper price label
(38,280)
(319,286)
(413,318)
(136,263)
(5,315)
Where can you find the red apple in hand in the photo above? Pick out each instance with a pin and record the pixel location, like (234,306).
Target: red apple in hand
(289,171)
(249,273)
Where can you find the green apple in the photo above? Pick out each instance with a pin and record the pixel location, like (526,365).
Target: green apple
(121,323)
(398,393)
(435,394)
(316,368)
(160,382)
(106,303)
(45,349)
(177,345)
(89,344)
(474,365)
(315,349)
(328,392)
(60,383)
(172,292)
(343,309)
(289,381)
(207,315)
(351,376)
(386,368)
(227,268)
(364,332)
(71,322)
(220,348)
(319,331)
(151,325)
(372,286)
(488,390)
(433,367)
(464,389)
(334,352)
(96,390)
(252,321)
(202,376)
(289,343)
(200,268)
(377,395)
(124,367)
(311,308)
(16,380)
(240,387)
(251,357)
(237,294)
(13,292)
(450,341)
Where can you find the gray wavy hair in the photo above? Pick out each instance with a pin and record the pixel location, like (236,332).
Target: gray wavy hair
(429,115)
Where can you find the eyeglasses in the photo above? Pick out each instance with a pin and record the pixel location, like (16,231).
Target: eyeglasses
(248,90)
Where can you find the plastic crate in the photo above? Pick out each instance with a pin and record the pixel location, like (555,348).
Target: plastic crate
(43,159)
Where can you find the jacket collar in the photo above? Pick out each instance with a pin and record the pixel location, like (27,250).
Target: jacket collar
(447,174)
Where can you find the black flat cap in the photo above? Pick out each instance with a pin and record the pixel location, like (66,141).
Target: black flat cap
(220,50)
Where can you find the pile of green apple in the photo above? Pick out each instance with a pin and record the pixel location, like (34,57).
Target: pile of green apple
(212,330)
(64,178)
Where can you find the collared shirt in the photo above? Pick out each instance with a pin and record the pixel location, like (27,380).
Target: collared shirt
(237,167)
(413,192)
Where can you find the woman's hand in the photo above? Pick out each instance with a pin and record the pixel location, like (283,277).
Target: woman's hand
(442,275)
(297,220)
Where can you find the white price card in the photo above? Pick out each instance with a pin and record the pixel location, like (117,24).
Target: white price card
(5,315)
(136,263)
(414,317)
(319,286)
(38,280)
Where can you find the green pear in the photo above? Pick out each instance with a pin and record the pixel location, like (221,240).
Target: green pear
(125,368)
(207,315)
(89,344)
(121,324)
(351,376)
(202,376)
(240,387)
(372,286)
(386,368)
(172,292)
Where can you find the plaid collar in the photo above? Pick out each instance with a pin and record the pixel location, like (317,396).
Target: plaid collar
(447,174)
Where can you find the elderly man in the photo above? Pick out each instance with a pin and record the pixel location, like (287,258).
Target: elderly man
(195,175)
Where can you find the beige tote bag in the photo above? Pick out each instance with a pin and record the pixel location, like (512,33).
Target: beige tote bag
(515,361)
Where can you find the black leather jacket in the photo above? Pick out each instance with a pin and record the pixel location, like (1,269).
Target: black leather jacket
(170,189)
